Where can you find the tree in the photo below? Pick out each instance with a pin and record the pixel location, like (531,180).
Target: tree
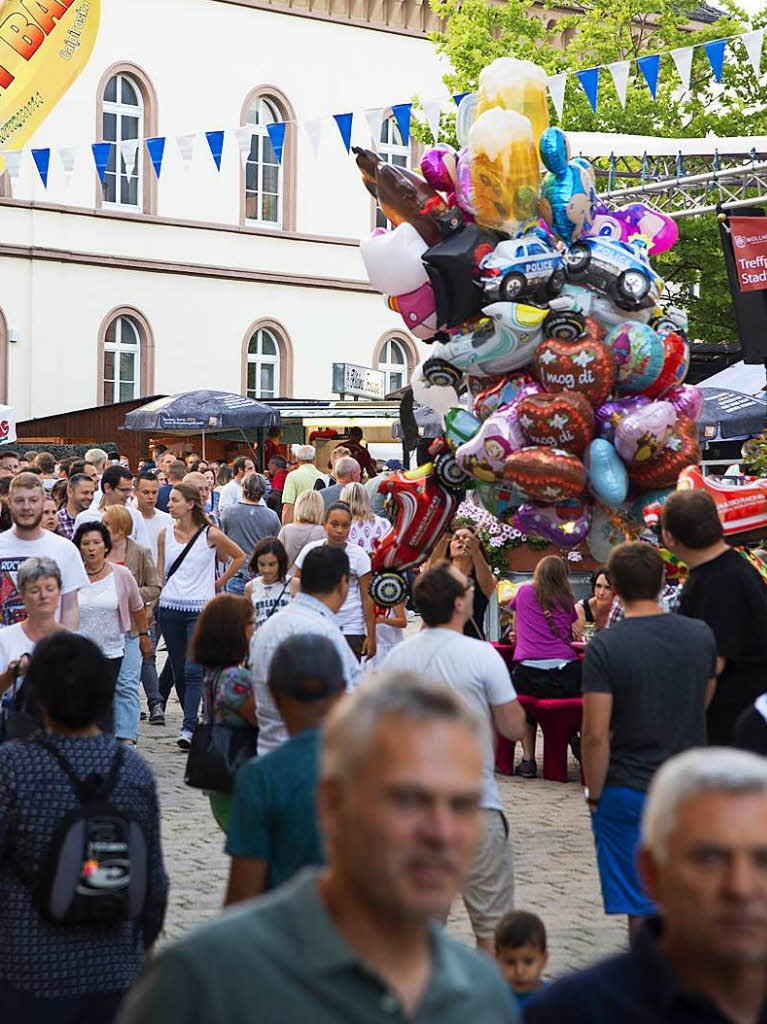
(477,31)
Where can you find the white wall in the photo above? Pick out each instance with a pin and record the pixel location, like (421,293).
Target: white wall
(203,58)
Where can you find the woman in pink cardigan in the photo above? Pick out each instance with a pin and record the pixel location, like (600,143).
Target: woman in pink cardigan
(111,605)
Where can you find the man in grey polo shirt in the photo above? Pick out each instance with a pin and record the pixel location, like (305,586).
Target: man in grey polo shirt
(398,803)
(247,522)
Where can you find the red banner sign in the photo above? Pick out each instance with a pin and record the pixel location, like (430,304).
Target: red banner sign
(749,246)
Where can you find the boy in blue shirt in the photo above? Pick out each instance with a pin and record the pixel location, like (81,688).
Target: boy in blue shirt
(520,952)
(273,829)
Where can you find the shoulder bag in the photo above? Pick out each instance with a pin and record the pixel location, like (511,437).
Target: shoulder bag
(218,751)
(182,555)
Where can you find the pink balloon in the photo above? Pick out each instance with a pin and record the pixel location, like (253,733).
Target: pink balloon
(439,165)
(644,433)
(687,400)
(632,220)
(484,455)
(418,309)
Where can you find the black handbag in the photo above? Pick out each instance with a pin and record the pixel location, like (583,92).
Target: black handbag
(217,753)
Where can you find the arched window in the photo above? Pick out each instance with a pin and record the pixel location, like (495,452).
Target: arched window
(122,360)
(393,362)
(392,150)
(263,373)
(263,173)
(123,122)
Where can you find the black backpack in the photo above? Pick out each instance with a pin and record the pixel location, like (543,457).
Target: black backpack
(95,869)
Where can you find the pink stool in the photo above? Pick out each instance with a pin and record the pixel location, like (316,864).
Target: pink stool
(559,719)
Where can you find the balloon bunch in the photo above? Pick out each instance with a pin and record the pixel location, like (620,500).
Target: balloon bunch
(544,306)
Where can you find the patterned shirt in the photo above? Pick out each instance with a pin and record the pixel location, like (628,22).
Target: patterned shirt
(53,960)
(66,523)
(365,533)
(305,614)
(232,687)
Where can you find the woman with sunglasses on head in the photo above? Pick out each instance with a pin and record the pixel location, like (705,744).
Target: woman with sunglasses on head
(461,547)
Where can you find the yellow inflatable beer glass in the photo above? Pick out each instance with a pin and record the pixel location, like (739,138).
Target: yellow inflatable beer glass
(518,85)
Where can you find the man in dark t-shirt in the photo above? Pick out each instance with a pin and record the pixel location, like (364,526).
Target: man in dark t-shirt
(645,685)
(727,593)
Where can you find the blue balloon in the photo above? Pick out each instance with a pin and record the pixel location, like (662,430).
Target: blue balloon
(607,475)
(568,192)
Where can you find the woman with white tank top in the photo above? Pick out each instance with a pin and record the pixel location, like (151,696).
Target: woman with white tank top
(187,588)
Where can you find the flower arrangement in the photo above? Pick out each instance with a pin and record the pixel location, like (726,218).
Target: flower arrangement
(497,538)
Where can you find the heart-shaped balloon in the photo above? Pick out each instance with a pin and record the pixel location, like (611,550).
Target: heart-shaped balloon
(608,479)
(638,354)
(439,166)
(505,391)
(548,475)
(676,363)
(500,500)
(643,434)
(681,450)
(585,365)
(563,420)
(687,399)
(565,525)
(484,456)
(608,416)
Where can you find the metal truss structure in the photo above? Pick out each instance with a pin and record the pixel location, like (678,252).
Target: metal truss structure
(684,185)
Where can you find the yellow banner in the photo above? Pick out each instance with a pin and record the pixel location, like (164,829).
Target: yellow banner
(44,45)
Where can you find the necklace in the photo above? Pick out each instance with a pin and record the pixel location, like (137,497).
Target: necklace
(97,571)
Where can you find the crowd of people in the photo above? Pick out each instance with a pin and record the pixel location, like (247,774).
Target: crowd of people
(350,768)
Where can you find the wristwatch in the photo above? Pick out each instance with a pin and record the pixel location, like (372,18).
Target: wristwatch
(144,634)
(591,801)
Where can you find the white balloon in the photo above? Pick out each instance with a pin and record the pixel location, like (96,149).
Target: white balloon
(393,259)
(465,116)
(439,398)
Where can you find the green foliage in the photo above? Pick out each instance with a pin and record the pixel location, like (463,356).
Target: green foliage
(477,31)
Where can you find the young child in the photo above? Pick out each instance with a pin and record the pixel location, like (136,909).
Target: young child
(520,952)
(390,631)
(270,589)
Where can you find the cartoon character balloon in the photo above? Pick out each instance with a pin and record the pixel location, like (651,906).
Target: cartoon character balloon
(638,353)
(565,525)
(484,456)
(393,259)
(568,192)
(644,433)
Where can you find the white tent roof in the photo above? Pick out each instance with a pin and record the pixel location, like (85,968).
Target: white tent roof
(593,144)
(748,380)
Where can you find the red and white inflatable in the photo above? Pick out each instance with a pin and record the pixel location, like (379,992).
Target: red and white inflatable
(740,500)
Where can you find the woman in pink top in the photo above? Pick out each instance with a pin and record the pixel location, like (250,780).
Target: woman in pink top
(547,664)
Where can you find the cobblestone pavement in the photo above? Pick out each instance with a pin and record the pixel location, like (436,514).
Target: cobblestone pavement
(554,855)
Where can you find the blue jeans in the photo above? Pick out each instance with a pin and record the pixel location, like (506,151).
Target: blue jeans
(127,703)
(236,585)
(177,628)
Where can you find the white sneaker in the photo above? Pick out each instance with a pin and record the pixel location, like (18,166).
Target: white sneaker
(184,739)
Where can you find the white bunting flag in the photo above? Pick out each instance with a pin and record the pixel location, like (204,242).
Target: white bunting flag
(432,109)
(67,156)
(13,163)
(129,151)
(314,131)
(620,72)
(753,43)
(683,60)
(185,145)
(557,84)
(374,118)
(244,138)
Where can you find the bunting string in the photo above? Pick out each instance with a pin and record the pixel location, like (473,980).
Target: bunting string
(127,158)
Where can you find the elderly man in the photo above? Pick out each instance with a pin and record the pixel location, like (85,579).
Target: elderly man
(300,480)
(347,471)
(398,803)
(248,522)
(704,862)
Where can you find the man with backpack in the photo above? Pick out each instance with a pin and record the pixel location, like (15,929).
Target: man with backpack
(83,889)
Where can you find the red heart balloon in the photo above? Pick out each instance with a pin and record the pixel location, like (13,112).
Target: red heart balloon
(681,450)
(564,420)
(546,474)
(585,365)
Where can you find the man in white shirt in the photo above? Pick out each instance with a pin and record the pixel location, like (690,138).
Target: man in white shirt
(231,493)
(324,586)
(442,654)
(117,487)
(147,487)
(27,539)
